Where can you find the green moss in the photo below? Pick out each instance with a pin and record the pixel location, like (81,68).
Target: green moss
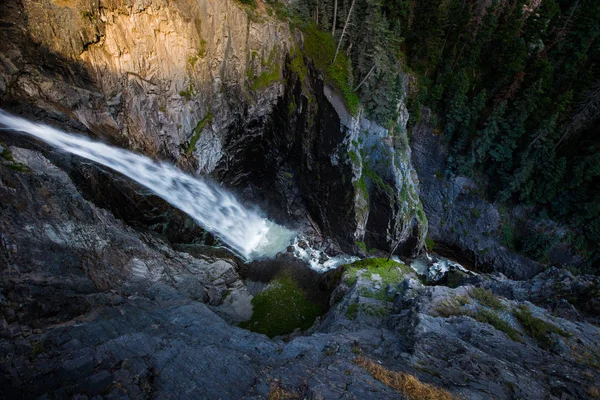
(6,154)
(291,107)
(350,279)
(201,53)
(387,269)
(362,246)
(491,318)
(361,185)
(376,179)
(320,47)
(187,93)
(486,298)
(18,167)
(421,214)
(351,311)
(536,328)
(281,308)
(298,65)
(381,295)
(430,243)
(355,158)
(197,132)
(269,75)
(266,78)
(10,162)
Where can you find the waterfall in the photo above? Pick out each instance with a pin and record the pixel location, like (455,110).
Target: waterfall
(243,230)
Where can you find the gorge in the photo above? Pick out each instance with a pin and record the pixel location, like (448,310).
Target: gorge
(208,203)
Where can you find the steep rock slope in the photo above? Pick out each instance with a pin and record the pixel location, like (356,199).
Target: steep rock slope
(219,89)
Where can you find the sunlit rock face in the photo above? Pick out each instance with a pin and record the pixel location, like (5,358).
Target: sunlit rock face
(208,85)
(150,70)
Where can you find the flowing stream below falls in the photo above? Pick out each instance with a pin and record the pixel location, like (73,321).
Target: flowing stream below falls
(244,230)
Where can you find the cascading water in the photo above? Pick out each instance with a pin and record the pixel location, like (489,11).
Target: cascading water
(243,230)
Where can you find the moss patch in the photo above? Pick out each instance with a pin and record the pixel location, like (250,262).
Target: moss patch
(266,78)
(352,311)
(430,243)
(390,271)
(37,348)
(320,47)
(361,185)
(376,179)
(188,93)
(270,74)
(6,159)
(281,308)
(197,132)
(355,158)
(362,246)
(298,65)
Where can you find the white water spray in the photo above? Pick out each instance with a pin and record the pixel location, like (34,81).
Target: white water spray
(244,231)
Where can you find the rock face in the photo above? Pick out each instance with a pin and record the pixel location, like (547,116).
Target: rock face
(96,301)
(463,226)
(214,87)
(389,211)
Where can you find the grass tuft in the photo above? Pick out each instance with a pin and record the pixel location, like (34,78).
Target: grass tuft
(188,93)
(536,328)
(491,318)
(276,392)
(10,163)
(594,392)
(411,387)
(487,298)
(452,306)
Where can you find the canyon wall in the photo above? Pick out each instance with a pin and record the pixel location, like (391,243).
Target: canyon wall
(220,89)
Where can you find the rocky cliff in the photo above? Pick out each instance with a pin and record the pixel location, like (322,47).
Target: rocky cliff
(107,291)
(218,88)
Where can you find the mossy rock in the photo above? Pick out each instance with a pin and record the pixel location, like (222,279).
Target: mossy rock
(390,271)
(281,308)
